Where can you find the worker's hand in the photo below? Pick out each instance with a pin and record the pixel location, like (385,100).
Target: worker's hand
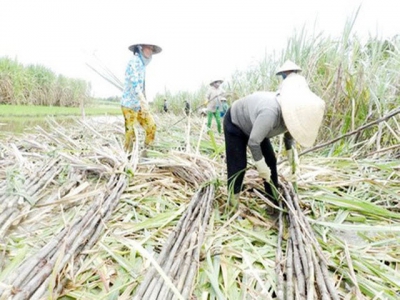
(293,159)
(144,106)
(263,170)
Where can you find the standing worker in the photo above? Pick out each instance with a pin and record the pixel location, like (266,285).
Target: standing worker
(224,106)
(165,106)
(251,121)
(213,100)
(134,103)
(187,107)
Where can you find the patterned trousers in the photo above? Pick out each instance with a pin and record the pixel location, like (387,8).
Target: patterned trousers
(145,119)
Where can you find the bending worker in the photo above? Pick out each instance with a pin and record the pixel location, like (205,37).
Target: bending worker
(133,102)
(251,121)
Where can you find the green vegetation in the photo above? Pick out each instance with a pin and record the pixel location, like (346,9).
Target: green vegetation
(38,85)
(359,82)
(17,118)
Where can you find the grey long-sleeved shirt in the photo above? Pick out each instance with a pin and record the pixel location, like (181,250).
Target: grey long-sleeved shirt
(259,115)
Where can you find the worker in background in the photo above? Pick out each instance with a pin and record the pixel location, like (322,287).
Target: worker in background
(187,107)
(135,107)
(165,107)
(213,101)
(224,106)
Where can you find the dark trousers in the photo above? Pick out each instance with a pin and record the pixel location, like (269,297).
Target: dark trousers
(236,156)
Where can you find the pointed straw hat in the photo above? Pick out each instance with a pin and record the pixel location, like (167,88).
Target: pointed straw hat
(156,49)
(216,80)
(302,110)
(288,66)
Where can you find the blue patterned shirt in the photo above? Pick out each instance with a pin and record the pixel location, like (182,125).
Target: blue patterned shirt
(134,83)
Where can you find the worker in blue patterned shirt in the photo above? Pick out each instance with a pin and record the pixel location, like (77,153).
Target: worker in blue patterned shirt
(134,103)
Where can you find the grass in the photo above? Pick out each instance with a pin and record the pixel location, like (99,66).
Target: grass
(18,118)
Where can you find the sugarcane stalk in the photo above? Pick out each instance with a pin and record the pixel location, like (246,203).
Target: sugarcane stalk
(6,219)
(188,227)
(298,238)
(300,260)
(184,267)
(93,237)
(187,262)
(328,280)
(148,283)
(289,271)
(161,290)
(188,290)
(322,259)
(298,266)
(322,267)
(67,235)
(323,292)
(298,241)
(73,243)
(279,258)
(188,287)
(310,282)
(179,246)
(31,286)
(31,265)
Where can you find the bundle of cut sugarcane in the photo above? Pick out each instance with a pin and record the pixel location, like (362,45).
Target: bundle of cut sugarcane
(305,266)
(179,258)
(31,279)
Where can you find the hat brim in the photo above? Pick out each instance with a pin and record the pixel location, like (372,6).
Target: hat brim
(288,66)
(302,110)
(219,80)
(156,49)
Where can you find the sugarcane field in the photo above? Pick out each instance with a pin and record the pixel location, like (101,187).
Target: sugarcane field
(86,215)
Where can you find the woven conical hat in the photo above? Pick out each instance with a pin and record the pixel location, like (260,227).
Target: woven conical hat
(288,66)
(156,49)
(216,80)
(302,110)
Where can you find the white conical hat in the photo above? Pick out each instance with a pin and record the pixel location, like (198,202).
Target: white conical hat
(156,49)
(302,110)
(288,66)
(216,80)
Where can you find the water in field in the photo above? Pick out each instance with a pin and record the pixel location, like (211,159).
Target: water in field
(21,124)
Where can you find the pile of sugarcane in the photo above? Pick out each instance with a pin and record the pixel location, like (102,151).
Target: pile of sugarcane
(173,274)
(45,186)
(302,272)
(73,225)
(32,278)
(177,265)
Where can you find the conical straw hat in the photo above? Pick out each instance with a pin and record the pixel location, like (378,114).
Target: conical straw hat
(302,110)
(216,80)
(288,66)
(156,49)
